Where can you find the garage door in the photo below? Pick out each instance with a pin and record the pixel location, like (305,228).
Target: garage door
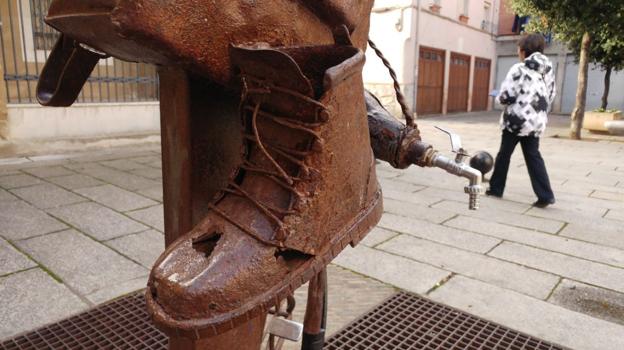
(430,81)
(459,77)
(481,85)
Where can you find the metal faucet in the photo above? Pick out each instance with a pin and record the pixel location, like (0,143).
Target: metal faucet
(458,167)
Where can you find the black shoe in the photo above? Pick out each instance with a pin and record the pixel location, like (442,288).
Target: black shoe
(543,203)
(489,193)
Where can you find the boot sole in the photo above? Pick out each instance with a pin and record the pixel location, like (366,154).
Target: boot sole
(200,328)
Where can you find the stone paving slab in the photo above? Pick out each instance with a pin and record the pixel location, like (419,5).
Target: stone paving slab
(152,217)
(378,235)
(31,299)
(569,215)
(97,221)
(116,198)
(20,220)
(507,275)
(123,164)
(148,172)
(118,178)
(12,260)
(117,289)
(46,196)
(8,171)
(77,181)
(562,265)
(604,232)
(597,302)
(155,193)
(143,247)
(589,251)
(82,263)
(504,217)
(6,196)
(146,159)
(529,315)
(50,171)
(610,195)
(391,269)
(438,233)
(611,215)
(20,180)
(414,210)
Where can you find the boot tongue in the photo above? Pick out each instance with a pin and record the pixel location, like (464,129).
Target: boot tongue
(271,65)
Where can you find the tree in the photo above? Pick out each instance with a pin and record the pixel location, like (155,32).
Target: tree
(607,51)
(577,22)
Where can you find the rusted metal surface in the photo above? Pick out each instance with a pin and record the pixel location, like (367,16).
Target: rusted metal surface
(257,200)
(176,141)
(404,321)
(393,142)
(254,245)
(316,313)
(121,324)
(197,35)
(407,321)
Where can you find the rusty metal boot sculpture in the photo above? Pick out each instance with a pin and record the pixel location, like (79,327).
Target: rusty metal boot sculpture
(306,189)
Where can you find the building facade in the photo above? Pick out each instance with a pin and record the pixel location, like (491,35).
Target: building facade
(444,52)
(564,63)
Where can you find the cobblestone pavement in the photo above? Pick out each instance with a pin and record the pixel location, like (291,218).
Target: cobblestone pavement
(81,229)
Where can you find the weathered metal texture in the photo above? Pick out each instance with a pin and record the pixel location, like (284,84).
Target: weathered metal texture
(198,34)
(316,313)
(392,141)
(246,336)
(254,246)
(273,204)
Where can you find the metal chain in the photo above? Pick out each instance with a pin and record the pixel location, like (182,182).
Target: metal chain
(409,118)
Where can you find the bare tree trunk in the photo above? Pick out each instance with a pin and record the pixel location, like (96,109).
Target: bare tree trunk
(607,87)
(581,90)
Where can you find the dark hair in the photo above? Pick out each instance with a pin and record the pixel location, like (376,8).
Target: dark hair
(531,44)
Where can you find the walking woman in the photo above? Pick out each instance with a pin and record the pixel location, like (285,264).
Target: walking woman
(527,94)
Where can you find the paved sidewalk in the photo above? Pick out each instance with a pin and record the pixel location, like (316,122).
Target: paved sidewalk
(82,229)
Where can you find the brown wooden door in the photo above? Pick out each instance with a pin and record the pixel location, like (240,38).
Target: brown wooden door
(430,81)
(459,78)
(481,84)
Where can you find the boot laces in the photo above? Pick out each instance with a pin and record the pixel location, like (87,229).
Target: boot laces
(277,173)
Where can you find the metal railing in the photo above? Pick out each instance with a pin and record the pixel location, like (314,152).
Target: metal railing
(26,41)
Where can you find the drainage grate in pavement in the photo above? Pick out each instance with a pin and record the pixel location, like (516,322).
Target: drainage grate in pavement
(121,324)
(404,321)
(407,321)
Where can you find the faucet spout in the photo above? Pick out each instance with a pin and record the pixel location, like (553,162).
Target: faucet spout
(474,189)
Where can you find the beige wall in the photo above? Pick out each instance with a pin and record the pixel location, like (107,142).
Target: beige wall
(441,30)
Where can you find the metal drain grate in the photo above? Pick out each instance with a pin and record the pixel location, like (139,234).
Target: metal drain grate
(406,321)
(121,324)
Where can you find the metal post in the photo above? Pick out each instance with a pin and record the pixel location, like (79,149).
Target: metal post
(182,136)
(316,313)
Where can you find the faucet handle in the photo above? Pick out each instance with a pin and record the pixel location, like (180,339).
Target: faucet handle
(456,145)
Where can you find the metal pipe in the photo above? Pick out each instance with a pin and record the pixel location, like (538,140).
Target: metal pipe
(474,189)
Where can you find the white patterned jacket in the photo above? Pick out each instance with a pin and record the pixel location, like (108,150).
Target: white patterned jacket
(527,93)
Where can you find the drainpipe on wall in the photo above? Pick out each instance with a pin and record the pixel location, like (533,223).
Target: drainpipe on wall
(416,5)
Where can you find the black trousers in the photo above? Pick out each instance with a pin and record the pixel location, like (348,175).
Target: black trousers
(534,162)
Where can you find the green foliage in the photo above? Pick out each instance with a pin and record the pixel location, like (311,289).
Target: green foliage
(569,19)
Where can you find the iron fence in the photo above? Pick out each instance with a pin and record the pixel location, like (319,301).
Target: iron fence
(26,42)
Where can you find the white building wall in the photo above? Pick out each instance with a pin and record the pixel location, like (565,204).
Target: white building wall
(395,29)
